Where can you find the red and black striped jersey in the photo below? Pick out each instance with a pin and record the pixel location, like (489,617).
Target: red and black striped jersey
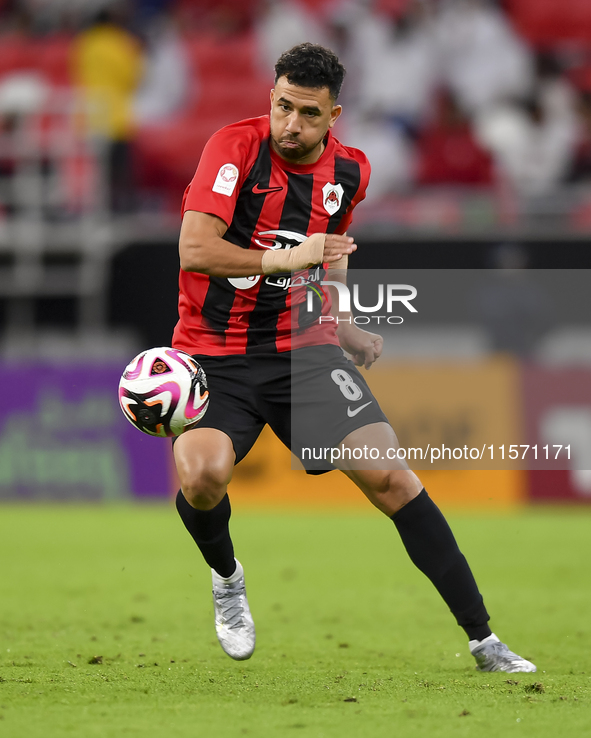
(267,203)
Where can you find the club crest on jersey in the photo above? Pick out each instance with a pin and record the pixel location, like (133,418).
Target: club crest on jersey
(332,197)
(226,179)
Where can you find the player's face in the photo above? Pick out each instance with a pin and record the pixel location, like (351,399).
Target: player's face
(300,118)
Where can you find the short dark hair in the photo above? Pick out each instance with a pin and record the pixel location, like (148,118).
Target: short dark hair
(311,65)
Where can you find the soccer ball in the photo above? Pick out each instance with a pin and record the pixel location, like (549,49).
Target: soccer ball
(163,392)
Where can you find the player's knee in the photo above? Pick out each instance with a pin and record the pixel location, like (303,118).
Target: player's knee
(204,481)
(395,488)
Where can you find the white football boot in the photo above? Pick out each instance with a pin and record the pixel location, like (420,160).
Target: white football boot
(233,622)
(492,655)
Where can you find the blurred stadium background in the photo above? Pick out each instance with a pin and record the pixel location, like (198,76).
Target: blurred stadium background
(476,116)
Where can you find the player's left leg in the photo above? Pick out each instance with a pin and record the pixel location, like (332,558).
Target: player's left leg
(429,541)
(425,533)
(204,459)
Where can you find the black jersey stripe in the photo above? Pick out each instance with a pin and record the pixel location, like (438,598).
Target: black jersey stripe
(248,208)
(220,293)
(348,174)
(271,300)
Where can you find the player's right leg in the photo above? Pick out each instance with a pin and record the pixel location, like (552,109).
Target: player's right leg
(204,459)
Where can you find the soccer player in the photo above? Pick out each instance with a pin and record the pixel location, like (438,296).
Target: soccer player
(272,196)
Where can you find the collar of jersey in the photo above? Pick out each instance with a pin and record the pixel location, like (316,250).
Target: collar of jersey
(304,168)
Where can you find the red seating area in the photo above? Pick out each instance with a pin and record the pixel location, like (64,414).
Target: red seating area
(545,22)
(227,85)
(452,156)
(49,56)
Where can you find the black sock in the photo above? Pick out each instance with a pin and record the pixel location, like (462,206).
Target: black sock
(210,532)
(432,547)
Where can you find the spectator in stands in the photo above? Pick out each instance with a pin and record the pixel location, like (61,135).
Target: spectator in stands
(531,145)
(482,59)
(389,151)
(107,63)
(393,52)
(557,95)
(282,24)
(165,84)
(448,151)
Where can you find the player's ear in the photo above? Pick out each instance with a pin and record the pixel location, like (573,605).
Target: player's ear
(334,114)
(272,96)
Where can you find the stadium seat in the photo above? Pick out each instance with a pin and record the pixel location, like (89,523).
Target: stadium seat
(48,55)
(547,21)
(448,152)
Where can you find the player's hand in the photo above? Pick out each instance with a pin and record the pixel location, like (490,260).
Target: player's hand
(364,347)
(336,246)
(316,249)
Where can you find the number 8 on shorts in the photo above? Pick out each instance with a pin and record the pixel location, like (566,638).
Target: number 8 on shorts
(345,383)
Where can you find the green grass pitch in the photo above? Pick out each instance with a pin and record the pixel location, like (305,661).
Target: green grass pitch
(106,628)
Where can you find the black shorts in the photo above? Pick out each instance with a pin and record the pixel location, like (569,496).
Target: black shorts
(311,398)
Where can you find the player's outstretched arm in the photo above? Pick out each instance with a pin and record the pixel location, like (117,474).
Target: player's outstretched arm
(202,248)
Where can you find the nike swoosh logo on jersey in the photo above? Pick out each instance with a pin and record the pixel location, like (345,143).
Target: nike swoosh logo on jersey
(256,190)
(353,413)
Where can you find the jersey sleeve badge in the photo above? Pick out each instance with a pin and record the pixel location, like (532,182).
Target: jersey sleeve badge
(332,197)
(226,180)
